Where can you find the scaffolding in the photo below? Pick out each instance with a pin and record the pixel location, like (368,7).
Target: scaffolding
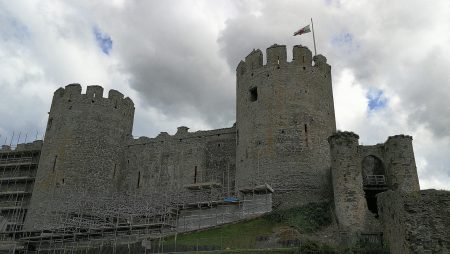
(108,220)
(17,173)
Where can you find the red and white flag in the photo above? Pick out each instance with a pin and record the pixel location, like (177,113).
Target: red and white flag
(304,30)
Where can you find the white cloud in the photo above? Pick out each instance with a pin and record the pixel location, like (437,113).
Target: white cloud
(177,61)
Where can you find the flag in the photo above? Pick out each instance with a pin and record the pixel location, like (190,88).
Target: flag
(304,30)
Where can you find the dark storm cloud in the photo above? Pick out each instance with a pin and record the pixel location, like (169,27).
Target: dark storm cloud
(172,59)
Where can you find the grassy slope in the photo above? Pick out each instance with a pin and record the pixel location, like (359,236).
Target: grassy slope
(245,235)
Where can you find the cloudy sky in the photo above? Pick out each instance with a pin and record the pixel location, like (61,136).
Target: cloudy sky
(176,60)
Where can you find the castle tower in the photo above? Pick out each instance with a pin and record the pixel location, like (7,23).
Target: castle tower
(81,154)
(285,113)
(401,164)
(346,175)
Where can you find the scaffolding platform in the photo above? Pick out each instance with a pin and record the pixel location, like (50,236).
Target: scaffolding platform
(201,186)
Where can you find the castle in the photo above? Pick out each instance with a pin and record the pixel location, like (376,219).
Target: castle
(283,151)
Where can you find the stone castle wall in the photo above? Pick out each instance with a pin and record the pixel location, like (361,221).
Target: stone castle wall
(350,205)
(401,164)
(416,222)
(84,142)
(284,115)
(352,165)
(193,166)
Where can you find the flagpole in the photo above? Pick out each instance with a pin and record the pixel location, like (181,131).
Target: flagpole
(314,38)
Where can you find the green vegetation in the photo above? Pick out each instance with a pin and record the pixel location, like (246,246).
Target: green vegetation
(307,218)
(281,231)
(242,235)
(277,229)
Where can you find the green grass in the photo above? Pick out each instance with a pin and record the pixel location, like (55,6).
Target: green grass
(242,235)
(265,251)
(246,234)
(308,218)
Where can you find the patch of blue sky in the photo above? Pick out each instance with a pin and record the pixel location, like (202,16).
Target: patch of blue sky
(12,28)
(346,41)
(376,99)
(104,41)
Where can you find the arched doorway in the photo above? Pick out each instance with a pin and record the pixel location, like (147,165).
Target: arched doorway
(374,180)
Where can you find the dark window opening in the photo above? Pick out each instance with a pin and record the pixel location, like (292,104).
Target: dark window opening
(93,101)
(306,135)
(218,145)
(70,107)
(54,163)
(371,200)
(50,122)
(114,170)
(374,181)
(253,94)
(304,68)
(63,180)
(139,179)
(115,104)
(195,174)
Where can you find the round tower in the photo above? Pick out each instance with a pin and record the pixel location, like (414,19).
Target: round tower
(285,113)
(81,155)
(401,164)
(349,201)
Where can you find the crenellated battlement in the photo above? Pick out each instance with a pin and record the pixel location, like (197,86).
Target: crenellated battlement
(72,95)
(399,137)
(181,135)
(277,57)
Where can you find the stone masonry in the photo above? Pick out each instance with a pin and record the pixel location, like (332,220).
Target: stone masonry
(285,112)
(416,222)
(284,142)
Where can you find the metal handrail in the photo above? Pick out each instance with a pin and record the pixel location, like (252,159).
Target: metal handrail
(16,160)
(375,180)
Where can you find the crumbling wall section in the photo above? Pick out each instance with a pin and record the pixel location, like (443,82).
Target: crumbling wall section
(416,222)
(350,205)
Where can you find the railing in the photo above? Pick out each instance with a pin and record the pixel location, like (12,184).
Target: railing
(13,204)
(375,180)
(16,160)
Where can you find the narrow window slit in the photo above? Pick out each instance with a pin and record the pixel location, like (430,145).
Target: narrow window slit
(54,164)
(139,179)
(195,174)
